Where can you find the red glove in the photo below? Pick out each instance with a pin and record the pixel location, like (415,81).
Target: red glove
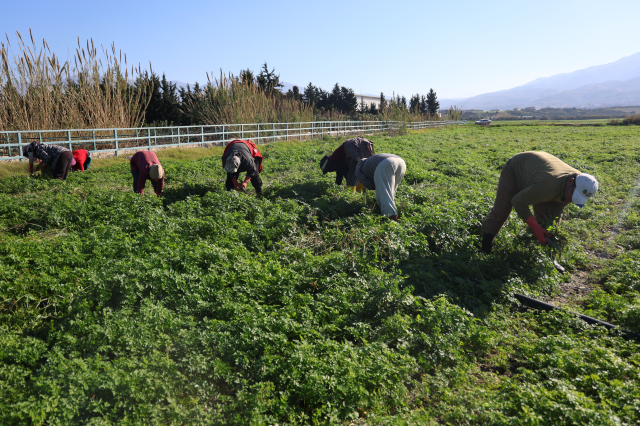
(538,231)
(235,184)
(243,186)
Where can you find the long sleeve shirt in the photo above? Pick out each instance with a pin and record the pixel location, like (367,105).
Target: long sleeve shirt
(80,156)
(248,163)
(49,154)
(541,177)
(343,167)
(367,169)
(142,161)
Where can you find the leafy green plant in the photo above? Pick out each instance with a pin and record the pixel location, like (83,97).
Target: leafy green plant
(307,306)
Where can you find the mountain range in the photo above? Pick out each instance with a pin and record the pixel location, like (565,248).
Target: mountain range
(613,84)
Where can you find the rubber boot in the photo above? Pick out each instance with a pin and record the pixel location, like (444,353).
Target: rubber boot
(359,187)
(487,242)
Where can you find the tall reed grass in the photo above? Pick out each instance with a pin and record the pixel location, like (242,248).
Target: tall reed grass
(38,90)
(228,99)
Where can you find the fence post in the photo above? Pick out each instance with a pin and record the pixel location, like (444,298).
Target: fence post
(19,145)
(148,139)
(202,137)
(258,135)
(115,140)
(287,132)
(242,131)
(300,131)
(178,135)
(274,132)
(69,140)
(93,136)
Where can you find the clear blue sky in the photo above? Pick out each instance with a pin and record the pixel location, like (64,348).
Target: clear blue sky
(459,48)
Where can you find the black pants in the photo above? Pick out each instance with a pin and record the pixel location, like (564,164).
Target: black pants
(136,176)
(63,165)
(255,181)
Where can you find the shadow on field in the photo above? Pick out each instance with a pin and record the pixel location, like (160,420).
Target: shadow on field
(318,196)
(471,279)
(181,193)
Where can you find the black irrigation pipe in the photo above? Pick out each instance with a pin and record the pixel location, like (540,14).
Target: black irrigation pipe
(538,304)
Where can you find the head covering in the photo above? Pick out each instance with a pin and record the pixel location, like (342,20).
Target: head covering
(156,171)
(29,148)
(586,187)
(87,164)
(323,164)
(233,164)
(73,161)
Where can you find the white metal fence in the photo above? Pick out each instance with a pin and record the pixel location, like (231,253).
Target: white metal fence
(115,141)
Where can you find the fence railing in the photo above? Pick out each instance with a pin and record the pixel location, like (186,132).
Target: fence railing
(117,141)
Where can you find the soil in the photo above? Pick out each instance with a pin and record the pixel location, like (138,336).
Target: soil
(574,291)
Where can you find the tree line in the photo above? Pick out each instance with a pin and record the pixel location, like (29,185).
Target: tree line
(170,105)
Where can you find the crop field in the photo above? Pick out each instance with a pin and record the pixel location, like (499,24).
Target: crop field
(308,307)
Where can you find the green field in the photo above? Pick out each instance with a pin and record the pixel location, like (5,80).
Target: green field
(308,307)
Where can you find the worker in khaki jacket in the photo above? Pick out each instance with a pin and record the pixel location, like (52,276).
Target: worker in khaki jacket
(539,179)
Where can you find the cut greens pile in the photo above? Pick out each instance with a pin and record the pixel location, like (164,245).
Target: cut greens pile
(306,306)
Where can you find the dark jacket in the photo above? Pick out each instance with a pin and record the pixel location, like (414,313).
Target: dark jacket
(247,162)
(367,169)
(49,154)
(343,166)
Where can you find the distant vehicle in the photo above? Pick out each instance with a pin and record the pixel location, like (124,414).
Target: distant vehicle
(484,121)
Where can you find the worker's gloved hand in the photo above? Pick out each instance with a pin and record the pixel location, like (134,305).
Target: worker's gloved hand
(243,186)
(359,187)
(236,186)
(538,231)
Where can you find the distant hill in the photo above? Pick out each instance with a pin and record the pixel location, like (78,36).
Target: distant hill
(611,84)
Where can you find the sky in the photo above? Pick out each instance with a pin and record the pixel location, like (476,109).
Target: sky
(460,48)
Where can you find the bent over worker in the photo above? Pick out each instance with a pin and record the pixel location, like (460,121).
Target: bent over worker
(57,157)
(383,173)
(145,165)
(242,156)
(345,158)
(539,179)
(82,160)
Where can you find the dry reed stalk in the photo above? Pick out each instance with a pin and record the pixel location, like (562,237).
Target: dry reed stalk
(228,100)
(40,92)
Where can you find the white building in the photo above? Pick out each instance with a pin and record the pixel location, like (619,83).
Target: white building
(368,100)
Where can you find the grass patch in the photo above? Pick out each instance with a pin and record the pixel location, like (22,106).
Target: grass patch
(214,307)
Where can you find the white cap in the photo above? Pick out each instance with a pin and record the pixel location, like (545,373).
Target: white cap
(586,187)
(232,165)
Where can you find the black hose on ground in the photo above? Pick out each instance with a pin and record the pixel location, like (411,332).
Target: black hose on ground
(539,304)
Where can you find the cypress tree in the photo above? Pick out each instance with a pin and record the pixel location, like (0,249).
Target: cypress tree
(383,102)
(432,103)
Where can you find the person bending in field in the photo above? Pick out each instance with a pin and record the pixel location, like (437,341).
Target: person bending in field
(382,173)
(239,157)
(82,160)
(539,179)
(344,160)
(57,157)
(145,165)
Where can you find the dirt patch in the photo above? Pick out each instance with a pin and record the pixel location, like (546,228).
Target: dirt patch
(573,291)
